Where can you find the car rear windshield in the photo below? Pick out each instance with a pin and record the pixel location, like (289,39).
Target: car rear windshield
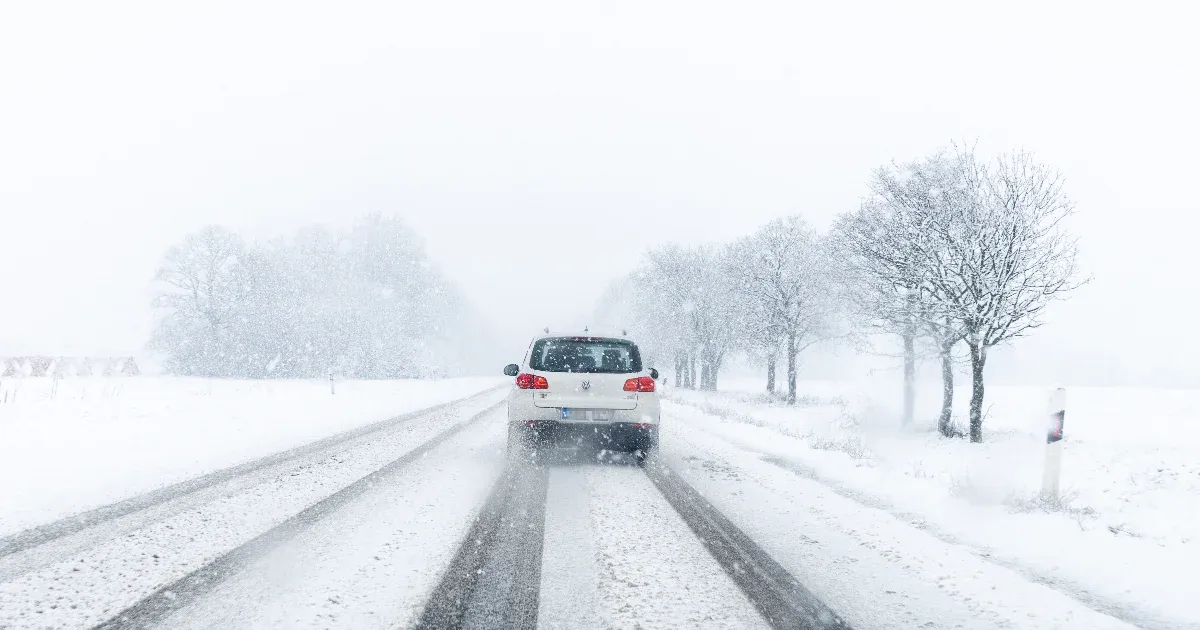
(591,355)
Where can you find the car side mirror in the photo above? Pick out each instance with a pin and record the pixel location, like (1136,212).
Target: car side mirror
(511,369)
(654,374)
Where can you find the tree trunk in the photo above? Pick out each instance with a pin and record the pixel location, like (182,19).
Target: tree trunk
(978,358)
(708,366)
(947,391)
(910,376)
(715,370)
(791,357)
(679,370)
(910,356)
(771,374)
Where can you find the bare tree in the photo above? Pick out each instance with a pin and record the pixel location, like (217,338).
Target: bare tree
(683,303)
(881,249)
(921,194)
(759,321)
(762,334)
(780,272)
(999,256)
(200,275)
(714,312)
(949,249)
(199,285)
(366,302)
(663,287)
(628,306)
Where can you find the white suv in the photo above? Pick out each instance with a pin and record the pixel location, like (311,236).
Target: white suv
(583,388)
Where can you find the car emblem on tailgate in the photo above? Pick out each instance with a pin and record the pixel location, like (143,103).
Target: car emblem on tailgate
(585,385)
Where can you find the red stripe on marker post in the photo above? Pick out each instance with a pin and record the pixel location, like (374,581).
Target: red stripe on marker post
(1052,470)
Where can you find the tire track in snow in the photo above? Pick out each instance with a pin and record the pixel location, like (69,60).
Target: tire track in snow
(154,608)
(779,597)
(570,591)
(621,557)
(495,578)
(372,564)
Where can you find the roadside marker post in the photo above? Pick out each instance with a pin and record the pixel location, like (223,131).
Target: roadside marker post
(1052,470)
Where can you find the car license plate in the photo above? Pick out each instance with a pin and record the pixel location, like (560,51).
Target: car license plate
(587,415)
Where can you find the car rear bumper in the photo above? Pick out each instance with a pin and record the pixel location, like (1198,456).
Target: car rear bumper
(625,436)
(521,408)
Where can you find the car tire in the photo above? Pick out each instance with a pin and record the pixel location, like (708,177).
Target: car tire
(526,444)
(518,442)
(647,451)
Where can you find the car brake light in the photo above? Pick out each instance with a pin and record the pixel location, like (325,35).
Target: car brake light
(532,381)
(640,384)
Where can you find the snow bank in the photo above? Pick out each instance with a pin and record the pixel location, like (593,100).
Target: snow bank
(1124,529)
(86,442)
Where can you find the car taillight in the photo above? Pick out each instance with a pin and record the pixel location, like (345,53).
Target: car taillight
(532,381)
(639,384)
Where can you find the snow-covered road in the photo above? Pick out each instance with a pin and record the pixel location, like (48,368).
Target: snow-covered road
(423,523)
(631,558)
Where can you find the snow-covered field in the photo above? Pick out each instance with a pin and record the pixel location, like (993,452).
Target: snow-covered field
(81,443)
(1123,534)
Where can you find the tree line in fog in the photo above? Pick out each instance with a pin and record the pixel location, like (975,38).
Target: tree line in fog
(363,303)
(946,252)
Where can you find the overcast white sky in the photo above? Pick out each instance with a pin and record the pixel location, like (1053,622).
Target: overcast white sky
(496,127)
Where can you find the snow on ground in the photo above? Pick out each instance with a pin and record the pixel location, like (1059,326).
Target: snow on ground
(374,563)
(1123,536)
(570,597)
(872,568)
(92,585)
(80,443)
(617,555)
